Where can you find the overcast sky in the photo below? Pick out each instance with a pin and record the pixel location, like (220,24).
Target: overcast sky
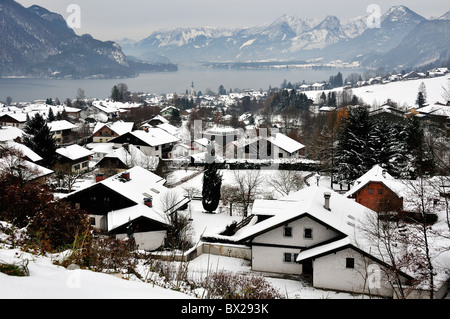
(137,19)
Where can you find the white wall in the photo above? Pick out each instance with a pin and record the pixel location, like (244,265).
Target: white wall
(147,240)
(330,272)
(276,236)
(271,259)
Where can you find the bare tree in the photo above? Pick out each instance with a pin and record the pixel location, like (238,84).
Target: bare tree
(180,226)
(248,185)
(286,181)
(13,163)
(66,176)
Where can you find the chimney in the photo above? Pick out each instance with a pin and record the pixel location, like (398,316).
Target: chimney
(99,177)
(327,196)
(148,201)
(126,175)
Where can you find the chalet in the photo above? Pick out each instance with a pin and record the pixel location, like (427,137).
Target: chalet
(153,141)
(14,119)
(104,132)
(318,234)
(124,158)
(107,108)
(437,115)
(61,130)
(168,111)
(388,112)
(76,156)
(222,135)
(305,87)
(318,86)
(158,119)
(277,146)
(22,167)
(379,191)
(130,203)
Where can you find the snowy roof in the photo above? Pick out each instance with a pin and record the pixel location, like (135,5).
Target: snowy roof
(74,152)
(343,215)
(142,184)
(160,118)
(37,171)
(377,174)
(60,126)
(131,157)
(169,128)
(120,127)
(154,136)
(435,109)
(28,152)
(10,133)
(285,142)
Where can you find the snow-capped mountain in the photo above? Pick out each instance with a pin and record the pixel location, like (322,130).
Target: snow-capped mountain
(287,38)
(37,42)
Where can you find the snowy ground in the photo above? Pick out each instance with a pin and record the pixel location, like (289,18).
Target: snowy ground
(404,93)
(48,281)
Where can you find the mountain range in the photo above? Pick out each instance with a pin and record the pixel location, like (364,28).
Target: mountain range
(38,43)
(291,38)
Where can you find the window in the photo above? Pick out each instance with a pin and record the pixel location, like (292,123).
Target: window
(287,231)
(308,233)
(380,191)
(280,155)
(287,257)
(370,190)
(350,263)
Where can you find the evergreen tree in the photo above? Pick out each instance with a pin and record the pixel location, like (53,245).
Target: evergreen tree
(50,116)
(212,182)
(353,155)
(175,118)
(38,137)
(115,94)
(422,158)
(420,101)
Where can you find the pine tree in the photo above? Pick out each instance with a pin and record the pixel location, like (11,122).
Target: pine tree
(50,116)
(212,182)
(38,137)
(115,94)
(353,155)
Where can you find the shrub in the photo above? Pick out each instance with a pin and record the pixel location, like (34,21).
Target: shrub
(103,254)
(226,285)
(55,225)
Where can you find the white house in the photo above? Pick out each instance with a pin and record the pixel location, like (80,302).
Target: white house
(153,141)
(319,233)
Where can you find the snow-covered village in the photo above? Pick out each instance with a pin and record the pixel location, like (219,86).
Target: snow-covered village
(171,197)
(306,189)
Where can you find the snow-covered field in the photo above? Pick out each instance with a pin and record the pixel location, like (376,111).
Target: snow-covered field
(404,93)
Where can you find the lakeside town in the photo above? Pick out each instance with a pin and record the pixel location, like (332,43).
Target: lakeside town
(293,198)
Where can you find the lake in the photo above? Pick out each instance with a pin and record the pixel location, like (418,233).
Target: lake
(27,90)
